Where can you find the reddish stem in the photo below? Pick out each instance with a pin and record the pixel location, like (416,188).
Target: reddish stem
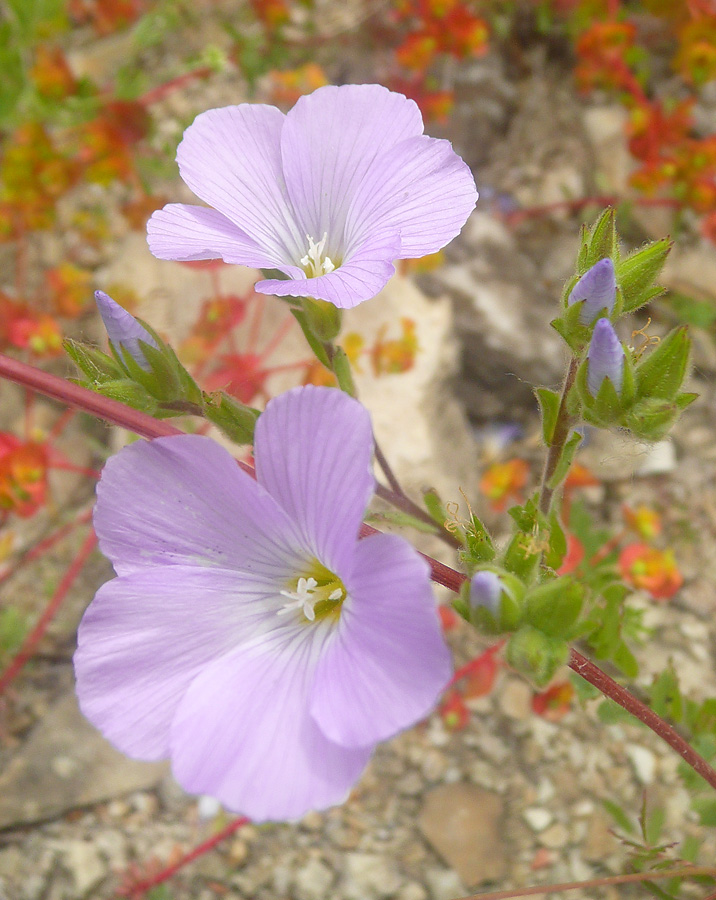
(521,215)
(44,545)
(33,639)
(161,91)
(143,886)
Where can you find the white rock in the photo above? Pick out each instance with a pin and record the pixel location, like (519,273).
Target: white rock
(537,818)
(83,863)
(444,884)
(658,458)
(313,881)
(368,876)
(643,762)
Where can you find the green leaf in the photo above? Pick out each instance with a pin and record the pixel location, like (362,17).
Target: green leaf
(610,713)
(549,402)
(699,313)
(665,697)
(705,809)
(402,519)
(625,660)
(557,543)
(620,816)
(479,544)
(555,606)
(565,460)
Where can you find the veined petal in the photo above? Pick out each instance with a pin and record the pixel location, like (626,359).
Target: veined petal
(184,232)
(313,448)
(184,501)
(243,734)
(421,190)
(231,159)
(330,140)
(358,278)
(146,636)
(388,663)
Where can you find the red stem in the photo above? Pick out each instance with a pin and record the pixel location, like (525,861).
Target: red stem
(161,91)
(143,886)
(33,639)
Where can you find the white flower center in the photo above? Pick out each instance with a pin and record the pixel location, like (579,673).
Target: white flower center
(314,262)
(308,594)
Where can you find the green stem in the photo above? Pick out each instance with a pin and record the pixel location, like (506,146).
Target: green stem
(562,428)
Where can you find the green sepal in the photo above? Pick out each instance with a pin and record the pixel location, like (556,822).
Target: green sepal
(637,272)
(565,460)
(522,556)
(650,419)
(661,373)
(436,509)
(549,402)
(461,603)
(162,380)
(96,365)
(536,655)
(557,549)
(602,240)
(343,373)
(555,606)
(323,318)
(235,419)
(130,393)
(478,543)
(314,343)
(571,330)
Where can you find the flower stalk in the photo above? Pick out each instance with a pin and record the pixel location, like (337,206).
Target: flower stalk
(560,436)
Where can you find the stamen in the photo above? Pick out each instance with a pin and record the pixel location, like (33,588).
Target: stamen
(314,599)
(314,262)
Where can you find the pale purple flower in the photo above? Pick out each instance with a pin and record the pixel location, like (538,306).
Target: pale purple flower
(250,636)
(330,194)
(123,330)
(605,358)
(596,290)
(486,590)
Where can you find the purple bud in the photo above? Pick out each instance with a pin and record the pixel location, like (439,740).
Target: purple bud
(485,590)
(596,290)
(605,358)
(123,330)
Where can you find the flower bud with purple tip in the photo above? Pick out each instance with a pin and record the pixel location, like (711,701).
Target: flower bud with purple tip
(596,290)
(605,358)
(495,601)
(123,330)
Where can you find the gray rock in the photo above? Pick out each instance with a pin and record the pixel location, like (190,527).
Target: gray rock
(67,763)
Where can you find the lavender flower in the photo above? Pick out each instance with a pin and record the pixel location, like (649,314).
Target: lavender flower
(249,635)
(485,591)
(596,290)
(329,194)
(605,358)
(123,330)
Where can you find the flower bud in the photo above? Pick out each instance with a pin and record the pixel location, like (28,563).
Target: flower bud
(494,601)
(485,591)
(123,330)
(596,290)
(605,358)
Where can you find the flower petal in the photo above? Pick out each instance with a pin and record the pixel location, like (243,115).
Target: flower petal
(420,189)
(361,277)
(231,159)
(243,734)
(388,662)
(184,232)
(313,449)
(146,636)
(184,500)
(331,138)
